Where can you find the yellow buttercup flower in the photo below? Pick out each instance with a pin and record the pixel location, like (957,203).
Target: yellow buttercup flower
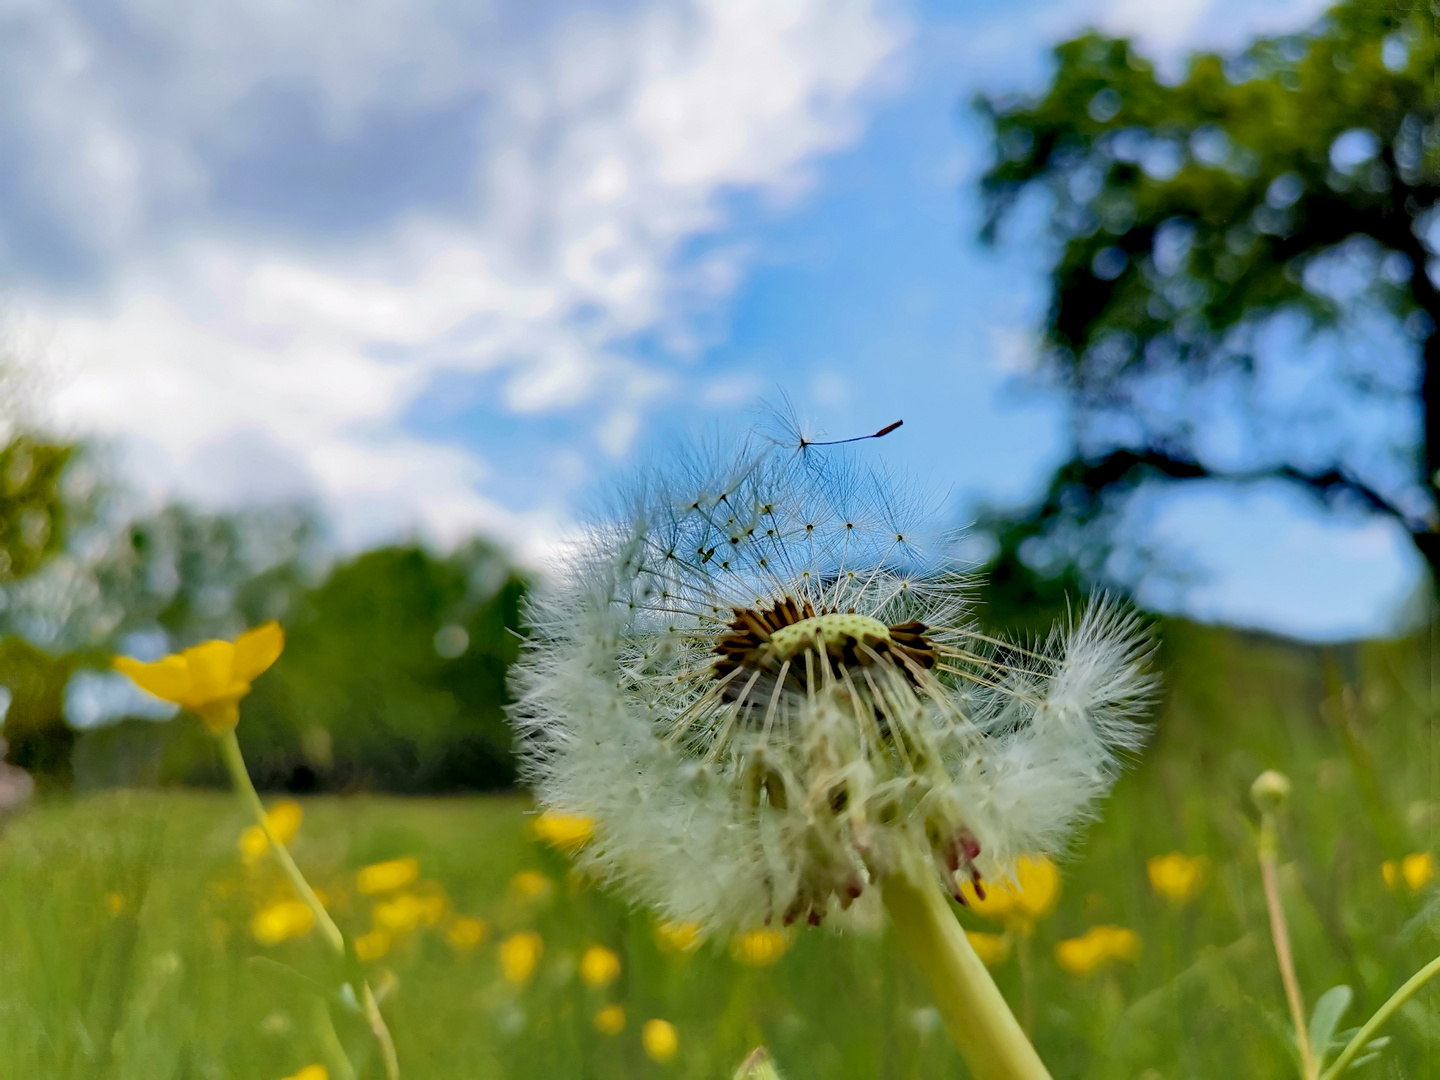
(466,932)
(311,1072)
(530,886)
(210,678)
(519,953)
(610,1020)
(282,921)
(114,903)
(660,1040)
(1098,946)
(372,945)
(681,937)
(568,832)
(389,876)
(399,914)
(759,948)
(1030,893)
(599,966)
(993,949)
(1177,877)
(1416,870)
(283,821)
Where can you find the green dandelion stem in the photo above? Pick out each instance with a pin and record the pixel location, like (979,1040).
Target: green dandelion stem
(975,1013)
(240,777)
(1365,1034)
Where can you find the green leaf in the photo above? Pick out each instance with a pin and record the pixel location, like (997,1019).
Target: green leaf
(1326,1017)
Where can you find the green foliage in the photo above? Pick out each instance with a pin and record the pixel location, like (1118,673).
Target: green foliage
(171,985)
(32,518)
(1190,212)
(393,677)
(38,738)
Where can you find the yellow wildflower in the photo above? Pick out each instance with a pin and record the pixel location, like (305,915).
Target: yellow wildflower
(599,966)
(372,945)
(759,948)
(432,905)
(400,914)
(211,678)
(1097,947)
(519,953)
(114,903)
(568,832)
(1177,877)
(681,937)
(660,1040)
(466,932)
(1416,870)
(530,885)
(610,1020)
(1028,894)
(282,921)
(388,876)
(993,949)
(311,1072)
(283,820)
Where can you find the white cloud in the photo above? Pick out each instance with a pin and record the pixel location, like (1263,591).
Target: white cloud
(227,322)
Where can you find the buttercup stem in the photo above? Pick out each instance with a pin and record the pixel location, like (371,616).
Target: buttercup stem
(240,777)
(976,1015)
(1382,1014)
(1280,935)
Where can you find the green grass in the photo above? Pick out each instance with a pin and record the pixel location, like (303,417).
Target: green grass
(124,948)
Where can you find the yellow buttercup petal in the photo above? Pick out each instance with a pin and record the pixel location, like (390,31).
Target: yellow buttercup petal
(256,650)
(211,672)
(168,679)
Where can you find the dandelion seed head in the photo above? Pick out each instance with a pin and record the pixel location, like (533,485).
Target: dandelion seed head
(760,678)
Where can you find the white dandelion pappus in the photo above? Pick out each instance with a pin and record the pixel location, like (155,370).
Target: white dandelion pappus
(767,697)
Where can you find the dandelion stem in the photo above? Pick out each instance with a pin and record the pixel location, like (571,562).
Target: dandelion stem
(1365,1034)
(240,777)
(1280,935)
(976,1015)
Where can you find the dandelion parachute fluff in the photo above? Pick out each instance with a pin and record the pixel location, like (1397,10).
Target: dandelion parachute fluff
(767,695)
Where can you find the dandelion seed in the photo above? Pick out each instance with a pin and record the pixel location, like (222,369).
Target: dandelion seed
(389,876)
(1177,877)
(610,1020)
(467,932)
(599,967)
(519,954)
(767,696)
(660,1040)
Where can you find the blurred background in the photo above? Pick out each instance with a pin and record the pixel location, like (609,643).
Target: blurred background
(341,314)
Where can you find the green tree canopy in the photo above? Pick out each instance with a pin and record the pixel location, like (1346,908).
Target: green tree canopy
(1296,180)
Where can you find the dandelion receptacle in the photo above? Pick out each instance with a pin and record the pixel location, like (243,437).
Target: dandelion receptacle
(760,678)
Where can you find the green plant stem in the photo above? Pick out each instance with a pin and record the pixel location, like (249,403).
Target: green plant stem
(1280,935)
(976,1015)
(1365,1034)
(240,777)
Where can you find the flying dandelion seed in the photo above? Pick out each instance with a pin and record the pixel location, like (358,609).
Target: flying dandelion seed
(767,693)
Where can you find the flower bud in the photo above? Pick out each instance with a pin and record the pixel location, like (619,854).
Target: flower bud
(1270,791)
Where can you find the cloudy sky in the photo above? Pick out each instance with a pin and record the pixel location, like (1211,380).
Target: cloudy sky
(440,265)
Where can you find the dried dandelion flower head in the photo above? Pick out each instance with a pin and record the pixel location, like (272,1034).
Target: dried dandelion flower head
(767,695)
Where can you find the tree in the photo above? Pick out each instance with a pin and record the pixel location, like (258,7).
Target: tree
(1294,184)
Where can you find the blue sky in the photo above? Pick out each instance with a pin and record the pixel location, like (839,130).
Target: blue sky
(442,267)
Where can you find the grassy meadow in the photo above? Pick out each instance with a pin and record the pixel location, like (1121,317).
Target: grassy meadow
(128,920)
